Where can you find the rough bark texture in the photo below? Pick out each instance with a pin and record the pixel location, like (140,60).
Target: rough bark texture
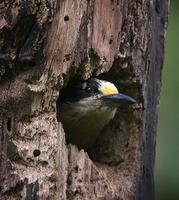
(46,44)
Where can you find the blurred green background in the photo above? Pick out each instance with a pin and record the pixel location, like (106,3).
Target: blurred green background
(167,155)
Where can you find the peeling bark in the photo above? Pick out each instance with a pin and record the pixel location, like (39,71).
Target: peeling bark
(45,45)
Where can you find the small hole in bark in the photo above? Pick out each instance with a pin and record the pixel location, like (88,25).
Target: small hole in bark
(66,18)
(76,168)
(36,152)
(110,41)
(9,125)
(44,163)
(79,180)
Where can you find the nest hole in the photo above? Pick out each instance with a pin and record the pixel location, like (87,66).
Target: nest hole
(109,145)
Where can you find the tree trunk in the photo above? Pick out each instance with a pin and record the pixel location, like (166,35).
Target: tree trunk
(45,45)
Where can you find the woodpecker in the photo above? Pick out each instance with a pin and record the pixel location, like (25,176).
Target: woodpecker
(86,108)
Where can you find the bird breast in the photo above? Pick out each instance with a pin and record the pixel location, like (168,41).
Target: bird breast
(83,121)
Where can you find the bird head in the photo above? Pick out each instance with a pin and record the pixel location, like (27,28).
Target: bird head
(96,89)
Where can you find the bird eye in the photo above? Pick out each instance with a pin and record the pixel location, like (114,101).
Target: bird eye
(89,90)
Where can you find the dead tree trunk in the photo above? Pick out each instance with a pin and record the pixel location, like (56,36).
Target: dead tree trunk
(44,45)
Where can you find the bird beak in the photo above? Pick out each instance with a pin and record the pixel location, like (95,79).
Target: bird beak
(118,98)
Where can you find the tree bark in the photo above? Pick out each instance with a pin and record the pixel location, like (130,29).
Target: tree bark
(45,45)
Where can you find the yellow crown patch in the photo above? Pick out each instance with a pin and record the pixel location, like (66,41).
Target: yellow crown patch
(107,88)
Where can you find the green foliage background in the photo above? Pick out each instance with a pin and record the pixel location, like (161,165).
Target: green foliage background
(167,155)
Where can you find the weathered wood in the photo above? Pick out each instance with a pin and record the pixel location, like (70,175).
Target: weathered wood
(46,44)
